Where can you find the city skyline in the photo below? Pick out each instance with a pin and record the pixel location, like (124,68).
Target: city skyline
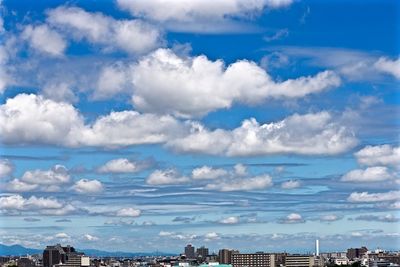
(141,126)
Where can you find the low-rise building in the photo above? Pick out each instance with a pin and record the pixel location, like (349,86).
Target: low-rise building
(253,260)
(299,261)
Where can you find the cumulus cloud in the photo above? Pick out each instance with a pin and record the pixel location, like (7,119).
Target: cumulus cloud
(56,176)
(33,119)
(186,83)
(178,236)
(211,236)
(166,177)
(309,134)
(206,172)
(130,128)
(6,168)
(42,205)
(386,155)
(128,212)
(374,197)
(43,180)
(388,66)
(85,186)
(370,174)
(377,218)
(199,16)
(229,220)
(16,185)
(103,30)
(239,180)
(44,39)
(292,218)
(113,79)
(121,165)
(291,184)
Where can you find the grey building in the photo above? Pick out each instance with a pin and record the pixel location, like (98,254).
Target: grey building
(202,252)
(189,252)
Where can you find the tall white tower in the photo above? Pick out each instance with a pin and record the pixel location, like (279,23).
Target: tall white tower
(317,247)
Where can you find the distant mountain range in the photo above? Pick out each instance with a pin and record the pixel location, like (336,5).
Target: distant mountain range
(17,250)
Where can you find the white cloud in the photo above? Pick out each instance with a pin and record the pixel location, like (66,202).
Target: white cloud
(19,203)
(164,233)
(309,134)
(379,155)
(43,180)
(374,197)
(130,128)
(128,212)
(62,235)
(206,172)
(292,218)
(67,209)
(388,66)
(230,220)
(121,165)
(329,218)
(59,92)
(85,186)
(56,176)
(197,15)
(241,184)
(112,80)
(5,78)
(211,236)
(42,38)
(32,119)
(240,170)
(186,10)
(16,185)
(6,168)
(90,237)
(356,234)
(370,174)
(377,218)
(291,184)
(186,84)
(132,36)
(165,177)
(282,33)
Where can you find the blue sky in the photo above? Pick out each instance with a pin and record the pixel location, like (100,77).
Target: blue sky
(146,125)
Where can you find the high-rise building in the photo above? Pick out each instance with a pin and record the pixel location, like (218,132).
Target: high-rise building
(225,255)
(54,255)
(259,259)
(356,253)
(202,252)
(189,252)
